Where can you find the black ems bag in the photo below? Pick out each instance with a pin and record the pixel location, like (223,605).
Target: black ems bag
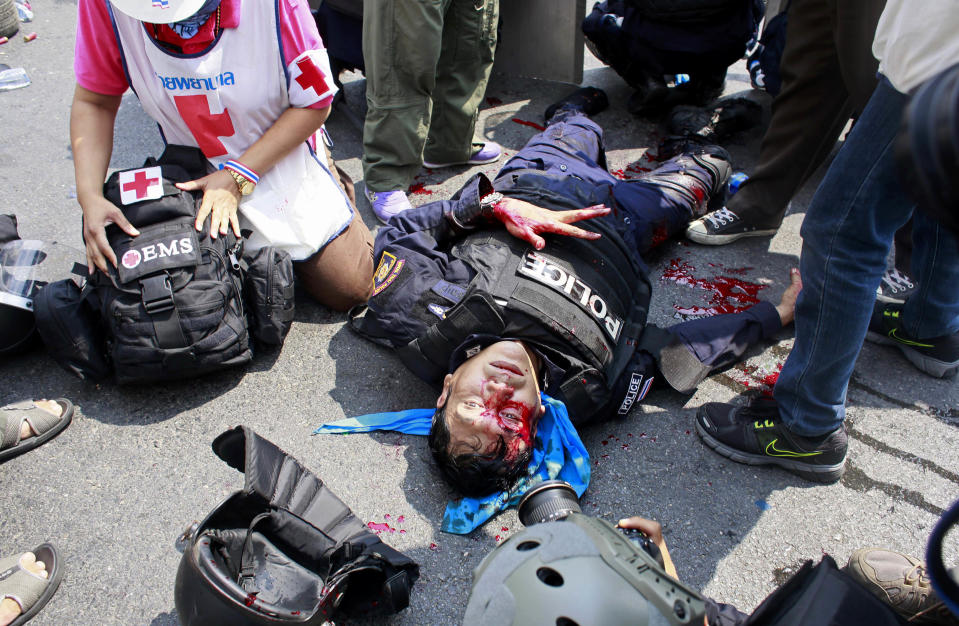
(284,550)
(174,305)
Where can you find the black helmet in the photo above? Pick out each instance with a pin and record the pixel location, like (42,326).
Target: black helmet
(284,550)
(927,148)
(207,593)
(26,266)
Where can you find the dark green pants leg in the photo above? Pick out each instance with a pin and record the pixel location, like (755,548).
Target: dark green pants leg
(469,43)
(402,40)
(420,54)
(828,74)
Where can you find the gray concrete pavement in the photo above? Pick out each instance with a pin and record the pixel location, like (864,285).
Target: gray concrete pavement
(135,467)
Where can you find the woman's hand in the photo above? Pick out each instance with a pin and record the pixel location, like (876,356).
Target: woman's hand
(654,531)
(97,213)
(221,196)
(525,221)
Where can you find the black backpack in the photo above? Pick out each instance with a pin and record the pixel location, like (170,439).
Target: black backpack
(174,305)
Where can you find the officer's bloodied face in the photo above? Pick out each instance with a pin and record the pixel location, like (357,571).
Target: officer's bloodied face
(492,399)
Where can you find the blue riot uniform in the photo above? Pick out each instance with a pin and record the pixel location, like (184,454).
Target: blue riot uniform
(448,282)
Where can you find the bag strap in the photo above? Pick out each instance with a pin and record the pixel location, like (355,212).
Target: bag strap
(157,296)
(247,566)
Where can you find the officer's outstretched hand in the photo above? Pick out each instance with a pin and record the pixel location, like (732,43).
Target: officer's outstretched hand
(220,198)
(526,221)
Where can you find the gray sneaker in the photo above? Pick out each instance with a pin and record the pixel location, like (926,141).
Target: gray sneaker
(723,226)
(901,582)
(895,286)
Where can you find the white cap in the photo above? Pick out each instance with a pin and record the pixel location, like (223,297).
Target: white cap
(158,11)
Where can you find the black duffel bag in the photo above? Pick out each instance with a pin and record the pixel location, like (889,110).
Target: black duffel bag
(174,305)
(284,550)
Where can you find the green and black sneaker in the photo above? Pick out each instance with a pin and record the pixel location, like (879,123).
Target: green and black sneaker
(754,434)
(937,356)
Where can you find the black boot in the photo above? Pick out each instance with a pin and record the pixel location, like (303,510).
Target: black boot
(588,100)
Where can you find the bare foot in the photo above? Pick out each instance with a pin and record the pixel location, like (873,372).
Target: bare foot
(787,304)
(26,431)
(9,608)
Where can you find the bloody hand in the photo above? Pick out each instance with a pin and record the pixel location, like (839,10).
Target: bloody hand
(525,221)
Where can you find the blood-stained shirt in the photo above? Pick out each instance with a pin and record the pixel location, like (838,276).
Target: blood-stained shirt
(98,63)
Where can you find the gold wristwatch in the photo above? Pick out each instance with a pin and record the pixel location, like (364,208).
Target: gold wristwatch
(245,178)
(244,184)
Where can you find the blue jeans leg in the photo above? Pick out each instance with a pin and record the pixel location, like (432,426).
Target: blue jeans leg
(847,234)
(933,309)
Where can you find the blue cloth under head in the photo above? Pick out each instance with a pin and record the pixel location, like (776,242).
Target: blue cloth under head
(558,452)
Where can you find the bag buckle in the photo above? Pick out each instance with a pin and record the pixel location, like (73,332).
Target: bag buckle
(157,294)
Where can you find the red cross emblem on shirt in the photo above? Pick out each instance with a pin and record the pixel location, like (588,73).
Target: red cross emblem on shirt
(207,127)
(311,76)
(140,184)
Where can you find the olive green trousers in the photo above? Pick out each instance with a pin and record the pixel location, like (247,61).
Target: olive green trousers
(427,66)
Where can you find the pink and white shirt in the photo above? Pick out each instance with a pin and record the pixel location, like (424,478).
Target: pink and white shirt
(225,98)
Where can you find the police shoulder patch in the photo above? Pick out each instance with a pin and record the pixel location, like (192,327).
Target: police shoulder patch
(386,272)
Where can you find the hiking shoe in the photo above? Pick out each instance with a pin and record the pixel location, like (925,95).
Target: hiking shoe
(901,582)
(936,356)
(488,152)
(754,434)
(386,204)
(723,226)
(717,122)
(588,100)
(895,287)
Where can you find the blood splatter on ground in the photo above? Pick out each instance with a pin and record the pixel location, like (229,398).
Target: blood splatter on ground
(528,123)
(384,527)
(727,294)
(761,377)
(434,547)
(420,189)
(378,528)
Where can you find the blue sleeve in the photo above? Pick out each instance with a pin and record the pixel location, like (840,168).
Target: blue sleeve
(721,340)
(440,221)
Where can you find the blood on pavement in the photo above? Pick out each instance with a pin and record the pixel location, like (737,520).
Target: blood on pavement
(528,123)
(419,189)
(728,294)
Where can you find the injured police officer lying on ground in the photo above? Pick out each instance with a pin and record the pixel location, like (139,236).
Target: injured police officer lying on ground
(498,315)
